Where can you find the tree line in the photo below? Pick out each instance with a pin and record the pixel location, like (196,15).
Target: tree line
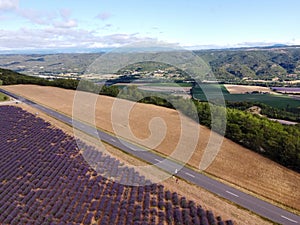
(292,114)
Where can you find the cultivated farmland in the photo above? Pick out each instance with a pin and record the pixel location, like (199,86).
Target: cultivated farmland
(49,182)
(242,89)
(234,93)
(289,90)
(234,163)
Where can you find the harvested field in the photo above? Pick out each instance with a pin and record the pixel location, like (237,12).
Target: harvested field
(200,196)
(242,89)
(234,163)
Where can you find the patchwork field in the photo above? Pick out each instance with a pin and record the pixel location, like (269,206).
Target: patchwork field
(234,163)
(240,93)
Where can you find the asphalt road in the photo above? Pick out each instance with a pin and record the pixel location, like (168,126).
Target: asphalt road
(249,202)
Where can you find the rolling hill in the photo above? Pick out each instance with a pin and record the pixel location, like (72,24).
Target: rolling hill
(261,63)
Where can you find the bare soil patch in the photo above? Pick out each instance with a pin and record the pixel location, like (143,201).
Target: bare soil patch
(234,163)
(242,89)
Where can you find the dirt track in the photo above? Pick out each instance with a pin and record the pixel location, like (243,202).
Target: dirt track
(234,163)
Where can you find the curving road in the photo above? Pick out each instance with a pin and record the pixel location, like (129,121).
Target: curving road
(247,201)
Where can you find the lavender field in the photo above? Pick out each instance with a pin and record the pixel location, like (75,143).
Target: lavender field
(45,180)
(287,89)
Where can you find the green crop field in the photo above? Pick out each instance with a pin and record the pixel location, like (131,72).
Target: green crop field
(277,101)
(215,90)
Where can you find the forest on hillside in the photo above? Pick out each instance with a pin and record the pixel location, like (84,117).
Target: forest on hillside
(259,63)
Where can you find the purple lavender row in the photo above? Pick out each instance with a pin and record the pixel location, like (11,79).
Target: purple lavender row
(44,180)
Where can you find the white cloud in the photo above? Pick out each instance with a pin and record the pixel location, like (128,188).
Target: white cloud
(60,19)
(66,24)
(55,38)
(66,21)
(9,4)
(55,30)
(37,17)
(254,44)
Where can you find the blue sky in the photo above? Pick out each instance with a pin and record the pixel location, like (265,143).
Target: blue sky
(33,24)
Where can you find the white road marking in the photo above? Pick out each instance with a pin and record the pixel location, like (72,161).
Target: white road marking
(294,221)
(157,160)
(191,175)
(232,194)
(113,140)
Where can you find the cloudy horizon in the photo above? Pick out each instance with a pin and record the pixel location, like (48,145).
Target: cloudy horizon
(27,25)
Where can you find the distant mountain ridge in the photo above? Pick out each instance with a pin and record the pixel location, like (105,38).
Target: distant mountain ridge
(108,49)
(266,63)
(278,62)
